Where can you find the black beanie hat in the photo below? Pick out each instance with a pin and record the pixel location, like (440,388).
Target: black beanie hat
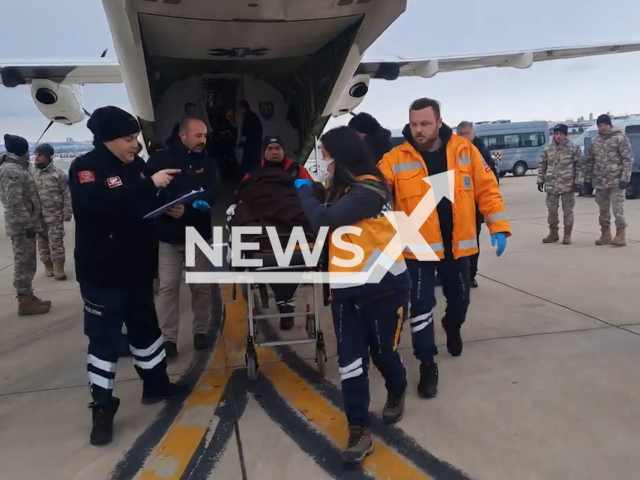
(44,149)
(109,123)
(562,128)
(271,139)
(604,119)
(16,145)
(364,123)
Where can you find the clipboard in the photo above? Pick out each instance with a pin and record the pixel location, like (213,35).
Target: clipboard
(192,195)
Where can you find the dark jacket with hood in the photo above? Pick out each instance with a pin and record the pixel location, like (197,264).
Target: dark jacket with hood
(197,170)
(436,163)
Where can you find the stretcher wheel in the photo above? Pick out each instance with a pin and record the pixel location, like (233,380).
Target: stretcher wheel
(252,365)
(321,360)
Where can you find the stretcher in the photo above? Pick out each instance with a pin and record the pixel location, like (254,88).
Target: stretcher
(256,295)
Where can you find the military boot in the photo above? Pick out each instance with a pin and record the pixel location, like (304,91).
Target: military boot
(48,268)
(58,270)
(102,422)
(360,445)
(605,238)
(553,235)
(620,240)
(566,240)
(42,302)
(29,305)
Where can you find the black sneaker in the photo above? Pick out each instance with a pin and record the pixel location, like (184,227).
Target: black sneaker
(393,410)
(454,338)
(201,342)
(286,323)
(171,349)
(428,386)
(474,283)
(359,446)
(165,392)
(102,422)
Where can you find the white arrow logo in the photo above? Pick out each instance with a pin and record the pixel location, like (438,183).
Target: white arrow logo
(408,229)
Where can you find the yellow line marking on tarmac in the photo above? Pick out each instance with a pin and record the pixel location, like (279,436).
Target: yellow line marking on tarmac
(384,462)
(171,456)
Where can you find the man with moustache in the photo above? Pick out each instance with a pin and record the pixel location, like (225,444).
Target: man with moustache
(197,170)
(450,230)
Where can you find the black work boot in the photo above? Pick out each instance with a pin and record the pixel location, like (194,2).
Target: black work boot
(123,347)
(102,423)
(428,385)
(151,395)
(454,338)
(286,323)
(393,410)
(201,341)
(171,349)
(474,282)
(359,446)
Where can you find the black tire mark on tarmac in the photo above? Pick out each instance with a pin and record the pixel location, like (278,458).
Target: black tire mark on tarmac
(318,447)
(207,456)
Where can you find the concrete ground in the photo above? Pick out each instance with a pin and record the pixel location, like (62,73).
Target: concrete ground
(547,387)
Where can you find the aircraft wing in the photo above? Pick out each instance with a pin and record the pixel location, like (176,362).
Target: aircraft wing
(19,73)
(390,69)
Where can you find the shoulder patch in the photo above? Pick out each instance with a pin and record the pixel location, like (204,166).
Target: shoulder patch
(86,176)
(113,182)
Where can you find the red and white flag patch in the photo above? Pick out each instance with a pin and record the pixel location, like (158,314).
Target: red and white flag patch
(114,182)
(86,176)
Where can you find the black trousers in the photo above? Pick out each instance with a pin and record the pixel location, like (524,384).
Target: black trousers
(368,329)
(284,292)
(456,287)
(473,259)
(105,311)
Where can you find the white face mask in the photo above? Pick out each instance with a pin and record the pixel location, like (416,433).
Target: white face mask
(323,170)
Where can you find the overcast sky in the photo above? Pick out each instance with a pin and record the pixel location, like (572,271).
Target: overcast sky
(77,30)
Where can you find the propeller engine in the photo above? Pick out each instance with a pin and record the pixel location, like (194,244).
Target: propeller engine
(59,103)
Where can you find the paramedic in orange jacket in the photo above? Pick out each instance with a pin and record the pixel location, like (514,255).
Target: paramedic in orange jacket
(430,149)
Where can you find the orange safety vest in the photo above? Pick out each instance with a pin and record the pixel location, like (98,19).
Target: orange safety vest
(373,237)
(404,169)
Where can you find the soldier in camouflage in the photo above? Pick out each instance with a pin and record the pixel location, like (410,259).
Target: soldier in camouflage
(53,190)
(22,221)
(609,162)
(560,174)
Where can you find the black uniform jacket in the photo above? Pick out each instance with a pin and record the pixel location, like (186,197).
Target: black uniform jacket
(198,170)
(115,247)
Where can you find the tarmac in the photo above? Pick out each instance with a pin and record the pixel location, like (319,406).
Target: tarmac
(547,387)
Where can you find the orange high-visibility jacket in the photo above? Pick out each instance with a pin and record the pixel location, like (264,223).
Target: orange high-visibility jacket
(404,169)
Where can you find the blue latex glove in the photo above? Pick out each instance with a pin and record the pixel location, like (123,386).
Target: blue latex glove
(201,205)
(300,182)
(499,239)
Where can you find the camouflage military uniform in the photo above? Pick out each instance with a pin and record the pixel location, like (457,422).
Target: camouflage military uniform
(53,190)
(609,163)
(561,168)
(21,217)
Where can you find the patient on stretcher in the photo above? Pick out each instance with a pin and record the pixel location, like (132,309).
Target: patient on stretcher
(267,198)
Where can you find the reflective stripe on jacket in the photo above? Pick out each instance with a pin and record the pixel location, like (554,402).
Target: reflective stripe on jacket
(370,237)
(474,182)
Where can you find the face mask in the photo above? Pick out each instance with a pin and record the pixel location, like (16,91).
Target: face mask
(323,170)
